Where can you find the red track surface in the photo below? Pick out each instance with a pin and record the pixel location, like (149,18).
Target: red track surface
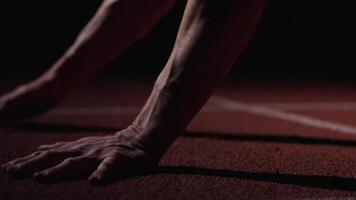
(223,155)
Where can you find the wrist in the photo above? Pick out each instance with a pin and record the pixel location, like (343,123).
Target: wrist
(154,141)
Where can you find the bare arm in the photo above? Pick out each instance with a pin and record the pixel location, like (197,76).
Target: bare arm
(116,25)
(212,35)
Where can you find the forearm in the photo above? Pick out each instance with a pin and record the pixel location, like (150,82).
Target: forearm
(116,25)
(211,37)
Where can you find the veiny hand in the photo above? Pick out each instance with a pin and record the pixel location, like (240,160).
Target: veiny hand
(101,157)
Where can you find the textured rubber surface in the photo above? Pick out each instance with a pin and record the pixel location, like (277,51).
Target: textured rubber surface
(223,155)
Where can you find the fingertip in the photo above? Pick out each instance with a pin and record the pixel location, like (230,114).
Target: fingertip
(37,175)
(40,176)
(95,179)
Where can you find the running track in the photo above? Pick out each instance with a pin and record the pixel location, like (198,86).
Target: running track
(253,140)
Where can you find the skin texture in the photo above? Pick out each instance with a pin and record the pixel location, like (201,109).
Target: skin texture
(211,37)
(101,158)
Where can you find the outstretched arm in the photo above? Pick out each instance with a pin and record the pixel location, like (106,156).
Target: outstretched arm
(116,25)
(212,35)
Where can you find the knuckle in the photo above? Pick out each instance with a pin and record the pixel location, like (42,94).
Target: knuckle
(48,153)
(94,152)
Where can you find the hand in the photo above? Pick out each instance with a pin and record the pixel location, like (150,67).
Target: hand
(101,157)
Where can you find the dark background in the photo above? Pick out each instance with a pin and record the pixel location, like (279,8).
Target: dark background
(296,38)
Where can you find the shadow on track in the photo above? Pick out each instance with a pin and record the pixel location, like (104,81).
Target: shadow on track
(315,181)
(324,182)
(271,138)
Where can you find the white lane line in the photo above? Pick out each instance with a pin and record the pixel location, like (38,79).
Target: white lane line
(221,104)
(301,107)
(211,107)
(286,116)
(313,106)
